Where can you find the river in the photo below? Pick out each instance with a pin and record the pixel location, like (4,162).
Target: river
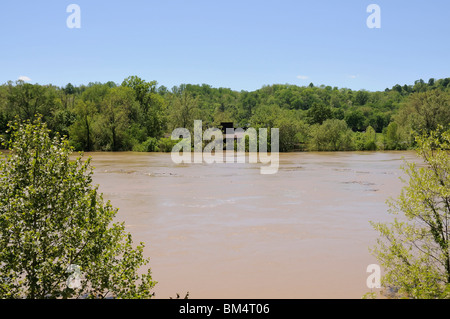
(226,231)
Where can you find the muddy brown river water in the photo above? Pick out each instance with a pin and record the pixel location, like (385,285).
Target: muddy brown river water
(226,231)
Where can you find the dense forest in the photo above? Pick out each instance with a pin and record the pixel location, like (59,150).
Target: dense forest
(137,115)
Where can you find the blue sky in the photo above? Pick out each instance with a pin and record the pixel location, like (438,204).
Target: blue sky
(241,45)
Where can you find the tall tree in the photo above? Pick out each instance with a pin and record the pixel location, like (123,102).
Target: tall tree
(114,122)
(53,221)
(152,105)
(184,109)
(81,132)
(426,111)
(414,248)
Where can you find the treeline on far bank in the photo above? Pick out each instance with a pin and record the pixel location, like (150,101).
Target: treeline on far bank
(138,115)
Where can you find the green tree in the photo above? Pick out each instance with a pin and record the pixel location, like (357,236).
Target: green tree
(265,116)
(26,100)
(114,122)
(52,220)
(318,113)
(292,130)
(370,139)
(425,111)
(392,136)
(362,97)
(332,135)
(420,86)
(154,116)
(151,112)
(141,87)
(81,132)
(414,248)
(184,109)
(248,102)
(355,120)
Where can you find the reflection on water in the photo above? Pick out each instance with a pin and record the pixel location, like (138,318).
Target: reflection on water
(226,231)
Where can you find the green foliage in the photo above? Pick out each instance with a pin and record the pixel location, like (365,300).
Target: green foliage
(362,97)
(51,217)
(369,295)
(116,108)
(111,117)
(355,120)
(184,110)
(424,112)
(150,145)
(392,136)
(292,131)
(318,113)
(140,87)
(366,141)
(165,144)
(149,110)
(396,137)
(332,135)
(414,248)
(81,131)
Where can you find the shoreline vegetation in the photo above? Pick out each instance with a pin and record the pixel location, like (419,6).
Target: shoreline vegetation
(139,116)
(58,236)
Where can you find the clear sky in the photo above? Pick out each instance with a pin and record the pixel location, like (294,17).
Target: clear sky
(241,45)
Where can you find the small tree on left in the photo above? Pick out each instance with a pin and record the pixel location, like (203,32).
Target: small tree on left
(54,221)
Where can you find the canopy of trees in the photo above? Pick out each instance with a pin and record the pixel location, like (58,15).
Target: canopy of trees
(138,115)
